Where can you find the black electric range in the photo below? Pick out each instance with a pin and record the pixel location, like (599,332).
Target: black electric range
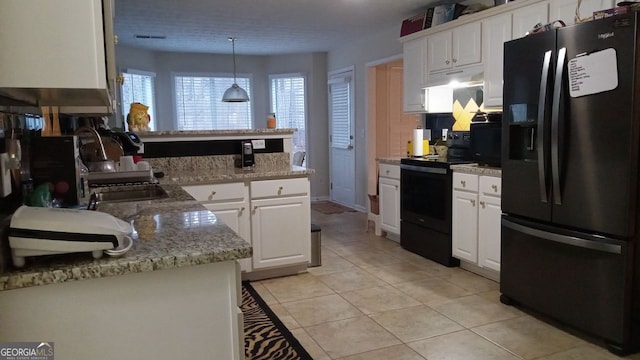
(437,162)
(425,204)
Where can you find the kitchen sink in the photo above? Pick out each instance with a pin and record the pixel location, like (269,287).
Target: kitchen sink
(138,193)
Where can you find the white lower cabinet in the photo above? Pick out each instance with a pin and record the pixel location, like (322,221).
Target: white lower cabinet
(280,222)
(389,188)
(274,216)
(476,220)
(281,234)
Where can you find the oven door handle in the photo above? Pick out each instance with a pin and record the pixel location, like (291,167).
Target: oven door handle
(424,169)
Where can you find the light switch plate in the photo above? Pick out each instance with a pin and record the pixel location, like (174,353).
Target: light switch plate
(258,144)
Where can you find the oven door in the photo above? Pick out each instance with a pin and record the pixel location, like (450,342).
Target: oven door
(425,196)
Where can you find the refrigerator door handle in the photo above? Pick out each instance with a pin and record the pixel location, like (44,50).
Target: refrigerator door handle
(563,239)
(555,127)
(542,106)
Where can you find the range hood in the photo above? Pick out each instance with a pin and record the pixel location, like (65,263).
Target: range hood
(54,97)
(468,76)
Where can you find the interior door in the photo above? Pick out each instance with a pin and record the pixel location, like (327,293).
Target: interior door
(341,112)
(597,149)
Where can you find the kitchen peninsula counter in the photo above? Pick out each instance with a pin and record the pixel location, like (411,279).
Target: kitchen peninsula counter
(164,237)
(174,295)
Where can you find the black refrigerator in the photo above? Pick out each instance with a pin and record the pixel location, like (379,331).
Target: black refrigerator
(570,186)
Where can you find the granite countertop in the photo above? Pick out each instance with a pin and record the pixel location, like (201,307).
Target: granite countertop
(392,160)
(171,232)
(168,233)
(232,132)
(477,169)
(232,174)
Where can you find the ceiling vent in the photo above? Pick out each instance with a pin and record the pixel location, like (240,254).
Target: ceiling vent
(159,37)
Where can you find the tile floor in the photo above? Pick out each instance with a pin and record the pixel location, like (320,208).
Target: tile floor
(372,300)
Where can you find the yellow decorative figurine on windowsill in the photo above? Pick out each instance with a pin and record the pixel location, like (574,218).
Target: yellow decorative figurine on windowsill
(138,119)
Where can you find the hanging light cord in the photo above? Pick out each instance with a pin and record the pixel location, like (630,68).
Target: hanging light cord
(233,46)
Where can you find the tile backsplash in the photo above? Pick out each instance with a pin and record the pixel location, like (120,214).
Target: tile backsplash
(466,102)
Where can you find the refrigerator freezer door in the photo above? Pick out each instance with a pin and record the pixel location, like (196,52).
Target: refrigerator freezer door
(596,172)
(528,80)
(579,279)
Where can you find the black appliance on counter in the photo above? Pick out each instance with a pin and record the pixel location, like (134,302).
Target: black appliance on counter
(486,139)
(571,217)
(425,201)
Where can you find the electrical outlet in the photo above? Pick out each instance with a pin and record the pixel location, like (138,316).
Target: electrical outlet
(258,144)
(444,134)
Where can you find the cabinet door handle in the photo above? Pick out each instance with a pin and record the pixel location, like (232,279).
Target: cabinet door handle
(213,193)
(447,62)
(482,204)
(241,211)
(280,190)
(494,187)
(387,172)
(397,187)
(463,182)
(455,61)
(115,39)
(473,202)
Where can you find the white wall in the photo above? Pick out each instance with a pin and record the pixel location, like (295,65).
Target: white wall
(381,45)
(313,65)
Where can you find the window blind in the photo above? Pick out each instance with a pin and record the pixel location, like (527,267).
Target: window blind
(199,104)
(138,86)
(340,99)
(288,103)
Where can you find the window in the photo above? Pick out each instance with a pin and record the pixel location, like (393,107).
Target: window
(340,111)
(288,103)
(199,103)
(138,87)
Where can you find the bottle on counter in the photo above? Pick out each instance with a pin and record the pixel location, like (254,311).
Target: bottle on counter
(271,121)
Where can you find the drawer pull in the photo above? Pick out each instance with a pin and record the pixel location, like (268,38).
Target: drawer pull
(387,172)
(280,190)
(482,204)
(494,187)
(213,193)
(473,202)
(463,182)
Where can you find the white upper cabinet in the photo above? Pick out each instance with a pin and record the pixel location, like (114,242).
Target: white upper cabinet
(525,18)
(565,10)
(458,47)
(53,52)
(496,31)
(414,68)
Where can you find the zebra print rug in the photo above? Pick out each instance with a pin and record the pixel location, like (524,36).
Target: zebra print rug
(265,336)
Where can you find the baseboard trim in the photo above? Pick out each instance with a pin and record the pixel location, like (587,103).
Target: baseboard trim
(276,272)
(488,273)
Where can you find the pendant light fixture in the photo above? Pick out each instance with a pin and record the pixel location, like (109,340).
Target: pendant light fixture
(235,93)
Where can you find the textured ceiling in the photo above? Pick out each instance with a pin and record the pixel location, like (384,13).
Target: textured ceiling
(262,27)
